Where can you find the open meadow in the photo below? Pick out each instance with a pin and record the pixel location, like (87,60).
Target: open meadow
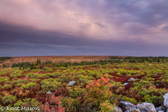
(87,86)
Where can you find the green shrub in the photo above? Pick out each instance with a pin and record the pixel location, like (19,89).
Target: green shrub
(16,73)
(18,81)
(2,72)
(27,102)
(42,76)
(7,86)
(143,84)
(50,84)
(70,104)
(8,99)
(33,80)
(147,98)
(65,78)
(106,106)
(97,92)
(83,80)
(115,98)
(132,100)
(31,75)
(53,74)
(29,85)
(4,79)
(49,69)
(76,92)
(153,99)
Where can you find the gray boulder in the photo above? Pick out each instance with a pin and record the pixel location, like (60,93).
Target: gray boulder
(130,79)
(165,100)
(160,109)
(72,83)
(156,84)
(133,110)
(117,109)
(146,107)
(125,83)
(49,93)
(126,105)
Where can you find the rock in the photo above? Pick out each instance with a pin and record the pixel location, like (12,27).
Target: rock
(146,107)
(160,109)
(165,100)
(156,84)
(72,83)
(49,93)
(133,110)
(130,79)
(125,83)
(126,105)
(118,109)
(149,64)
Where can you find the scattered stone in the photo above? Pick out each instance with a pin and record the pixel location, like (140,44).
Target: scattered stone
(130,79)
(118,109)
(156,84)
(146,107)
(49,93)
(133,110)
(126,105)
(160,109)
(72,83)
(165,100)
(125,83)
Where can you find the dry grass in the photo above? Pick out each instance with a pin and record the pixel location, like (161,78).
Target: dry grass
(55,59)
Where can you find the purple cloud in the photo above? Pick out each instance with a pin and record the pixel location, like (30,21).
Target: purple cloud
(94,24)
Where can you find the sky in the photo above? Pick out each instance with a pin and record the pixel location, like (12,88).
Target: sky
(83,27)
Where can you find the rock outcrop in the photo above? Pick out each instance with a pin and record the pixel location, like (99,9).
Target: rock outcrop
(72,83)
(160,109)
(165,103)
(146,107)
(126,105)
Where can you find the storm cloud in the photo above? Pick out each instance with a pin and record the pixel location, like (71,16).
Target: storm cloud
(84,27)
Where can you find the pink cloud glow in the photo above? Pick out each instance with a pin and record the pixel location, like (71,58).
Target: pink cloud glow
(96,19)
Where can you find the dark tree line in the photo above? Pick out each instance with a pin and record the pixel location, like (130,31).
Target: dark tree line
(4,58)
(25,65)
(140,59)
(40,65)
